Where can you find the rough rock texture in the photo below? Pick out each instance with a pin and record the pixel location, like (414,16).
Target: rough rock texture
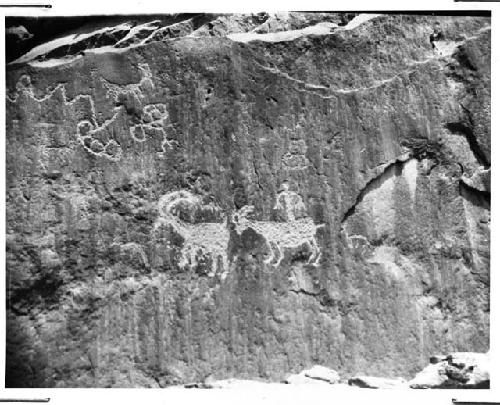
(457,370)
(136,31)
(248,208)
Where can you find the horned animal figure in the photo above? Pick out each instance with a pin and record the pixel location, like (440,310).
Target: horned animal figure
(210,238)
(281,235)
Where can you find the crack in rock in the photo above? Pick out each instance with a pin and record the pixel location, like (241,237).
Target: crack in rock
(334,93)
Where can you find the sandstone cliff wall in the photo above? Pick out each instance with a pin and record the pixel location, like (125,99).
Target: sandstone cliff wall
(249,208)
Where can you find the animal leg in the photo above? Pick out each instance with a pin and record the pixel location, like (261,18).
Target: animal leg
(225,265)
(194,262)
(271,253)
(184,257)
(215,262)
(317,252)
(312,249)
(281,257)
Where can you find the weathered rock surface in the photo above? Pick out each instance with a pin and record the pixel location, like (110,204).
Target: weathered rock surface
(314,374)
(457,370)
(248,208)
(133,32)
(377,382)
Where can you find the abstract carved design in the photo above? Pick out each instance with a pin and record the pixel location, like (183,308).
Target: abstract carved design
(97,139)
(154,117)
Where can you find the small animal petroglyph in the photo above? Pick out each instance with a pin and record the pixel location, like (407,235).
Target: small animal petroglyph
(208,238)
(97,139)
(358,243)
(282,235)
(153,119)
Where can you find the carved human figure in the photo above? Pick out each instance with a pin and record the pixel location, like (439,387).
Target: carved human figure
(290,203)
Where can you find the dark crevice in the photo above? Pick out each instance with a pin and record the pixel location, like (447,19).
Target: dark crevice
(305,292)
(373,184)
(463,59)
(474,196)
(466,130)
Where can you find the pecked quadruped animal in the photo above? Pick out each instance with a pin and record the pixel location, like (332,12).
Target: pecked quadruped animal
(212,238)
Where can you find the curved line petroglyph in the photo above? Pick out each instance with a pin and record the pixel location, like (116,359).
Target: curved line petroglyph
(91,138)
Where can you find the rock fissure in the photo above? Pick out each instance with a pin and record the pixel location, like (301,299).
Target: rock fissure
(386,168)
(466,131)
(480,198)
(412,67)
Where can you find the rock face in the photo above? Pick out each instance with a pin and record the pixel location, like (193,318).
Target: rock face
(246,207)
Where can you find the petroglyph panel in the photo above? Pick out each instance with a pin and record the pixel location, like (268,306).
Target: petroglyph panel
(96,139)
(178,209)
(293,233)
(100,140)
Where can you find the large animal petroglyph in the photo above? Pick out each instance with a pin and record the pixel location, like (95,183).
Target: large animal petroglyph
(292,233)
(212,238)
(206,238)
